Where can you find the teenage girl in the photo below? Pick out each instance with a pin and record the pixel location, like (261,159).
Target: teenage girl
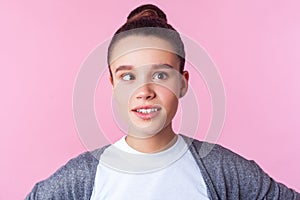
(146,59)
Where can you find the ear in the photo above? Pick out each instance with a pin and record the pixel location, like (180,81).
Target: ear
(184,84)
(111,81)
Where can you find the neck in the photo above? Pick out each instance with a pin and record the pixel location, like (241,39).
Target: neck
(156,143)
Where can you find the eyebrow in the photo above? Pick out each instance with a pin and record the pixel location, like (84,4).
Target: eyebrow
(155,66)
(162,66)
(123,67)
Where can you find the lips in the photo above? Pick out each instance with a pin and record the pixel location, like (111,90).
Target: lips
(146,112)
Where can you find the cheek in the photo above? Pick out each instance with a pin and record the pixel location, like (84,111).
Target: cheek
(169,99)
(122,94)
(171,107)
(170,87)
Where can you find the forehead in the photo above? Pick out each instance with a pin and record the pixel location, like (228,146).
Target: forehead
(143,50)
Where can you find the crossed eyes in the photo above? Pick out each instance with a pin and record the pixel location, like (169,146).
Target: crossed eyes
(156,76)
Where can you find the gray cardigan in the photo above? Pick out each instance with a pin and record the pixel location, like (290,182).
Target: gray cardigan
(226,174)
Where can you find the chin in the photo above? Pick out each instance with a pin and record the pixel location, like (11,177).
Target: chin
(145,130)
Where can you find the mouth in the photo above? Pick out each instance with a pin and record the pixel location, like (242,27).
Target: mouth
(146,112)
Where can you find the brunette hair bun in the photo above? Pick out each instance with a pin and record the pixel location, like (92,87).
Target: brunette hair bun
(148,11)
(148,20)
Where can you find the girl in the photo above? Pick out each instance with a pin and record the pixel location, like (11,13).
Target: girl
(146,60)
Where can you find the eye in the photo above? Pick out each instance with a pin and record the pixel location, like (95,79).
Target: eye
(160,75)
(127,77)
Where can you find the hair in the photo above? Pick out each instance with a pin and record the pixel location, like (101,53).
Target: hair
(141,21)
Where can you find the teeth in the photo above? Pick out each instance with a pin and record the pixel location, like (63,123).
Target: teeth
(147,111)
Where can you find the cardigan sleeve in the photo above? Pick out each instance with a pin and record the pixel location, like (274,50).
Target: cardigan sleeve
(74,180)
(268,188)
(230,176)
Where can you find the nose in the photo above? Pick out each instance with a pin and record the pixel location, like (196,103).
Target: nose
(146,92)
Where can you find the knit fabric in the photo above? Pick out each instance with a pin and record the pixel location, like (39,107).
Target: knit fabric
(226,174)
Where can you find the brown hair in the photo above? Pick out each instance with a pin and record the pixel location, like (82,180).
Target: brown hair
(140,21)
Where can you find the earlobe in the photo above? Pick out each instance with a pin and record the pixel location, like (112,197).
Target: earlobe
(184,85)
(111,80)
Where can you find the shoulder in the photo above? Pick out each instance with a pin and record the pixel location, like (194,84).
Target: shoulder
(211,151)
(231,175)
(231,166)
(74,179)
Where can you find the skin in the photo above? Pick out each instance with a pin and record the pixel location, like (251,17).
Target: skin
(145,72)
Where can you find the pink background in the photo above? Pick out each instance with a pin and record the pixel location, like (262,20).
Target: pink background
(255,45)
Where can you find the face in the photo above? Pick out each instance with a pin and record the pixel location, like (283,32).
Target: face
(146,83)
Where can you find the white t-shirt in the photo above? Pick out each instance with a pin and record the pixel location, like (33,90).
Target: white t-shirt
(181,179)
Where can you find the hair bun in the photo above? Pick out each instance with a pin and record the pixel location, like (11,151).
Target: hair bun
(147,10)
